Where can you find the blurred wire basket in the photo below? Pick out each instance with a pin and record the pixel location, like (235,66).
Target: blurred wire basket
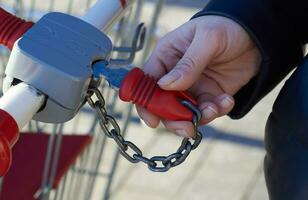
(67,161)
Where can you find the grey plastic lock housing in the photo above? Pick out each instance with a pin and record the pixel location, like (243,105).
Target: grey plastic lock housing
(55,56)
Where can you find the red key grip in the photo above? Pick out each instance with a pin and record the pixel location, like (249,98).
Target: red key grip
(143,90)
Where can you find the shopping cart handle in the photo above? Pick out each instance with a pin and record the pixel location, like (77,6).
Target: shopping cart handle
(143,90)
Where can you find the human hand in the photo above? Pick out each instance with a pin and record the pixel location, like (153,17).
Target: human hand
(211,57)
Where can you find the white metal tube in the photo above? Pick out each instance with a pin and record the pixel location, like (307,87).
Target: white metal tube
(104,12)
(22,102)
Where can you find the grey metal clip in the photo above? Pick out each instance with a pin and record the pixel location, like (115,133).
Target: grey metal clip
(137,45)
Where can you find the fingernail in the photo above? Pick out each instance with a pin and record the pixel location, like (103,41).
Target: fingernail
(209,112)
(226,102)
(169,78)
(182,132)
(146,122)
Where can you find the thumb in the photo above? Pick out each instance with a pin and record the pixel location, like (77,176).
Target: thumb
(188,70)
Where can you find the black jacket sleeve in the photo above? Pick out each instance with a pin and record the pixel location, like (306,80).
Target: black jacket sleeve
(279,28)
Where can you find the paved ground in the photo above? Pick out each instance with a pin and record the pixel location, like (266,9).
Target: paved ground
(228,163)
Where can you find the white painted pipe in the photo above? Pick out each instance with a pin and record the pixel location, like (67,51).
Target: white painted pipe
(104,12)
(17,107)
(22,102)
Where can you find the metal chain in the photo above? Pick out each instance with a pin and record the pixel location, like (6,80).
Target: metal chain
(157,163)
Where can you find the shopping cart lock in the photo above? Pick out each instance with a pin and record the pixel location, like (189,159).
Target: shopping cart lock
(55,56)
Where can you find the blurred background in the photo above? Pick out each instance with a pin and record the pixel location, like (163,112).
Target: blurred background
(227,165)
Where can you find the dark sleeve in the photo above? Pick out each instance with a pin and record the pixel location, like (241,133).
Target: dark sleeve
(279,28)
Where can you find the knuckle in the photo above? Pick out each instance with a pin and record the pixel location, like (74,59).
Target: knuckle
(214,30)
(214,38)
(187,65)
(162,49)
(215,35)
(161,44)
(218,38)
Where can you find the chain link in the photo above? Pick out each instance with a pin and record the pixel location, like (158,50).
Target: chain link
(157,163)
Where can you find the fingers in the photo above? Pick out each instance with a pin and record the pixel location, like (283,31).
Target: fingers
(149,119)
(169,50)
(214,107)
(179,61)
(187,71)
(166,55)
(225,104)
(180,128)
(210,109)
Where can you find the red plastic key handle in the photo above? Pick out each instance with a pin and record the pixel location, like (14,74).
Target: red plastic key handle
(143,90)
